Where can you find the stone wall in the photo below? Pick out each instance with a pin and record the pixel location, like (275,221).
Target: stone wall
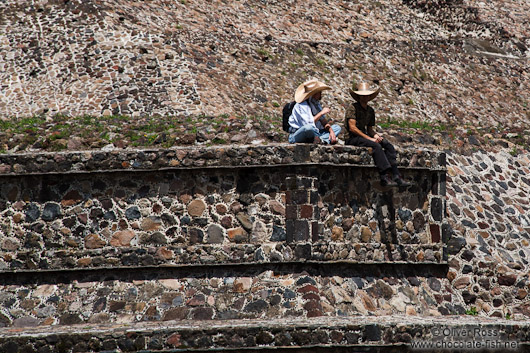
(169,238)
(103,57)
(271,205)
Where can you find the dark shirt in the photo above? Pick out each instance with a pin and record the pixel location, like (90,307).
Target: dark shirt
(363,117)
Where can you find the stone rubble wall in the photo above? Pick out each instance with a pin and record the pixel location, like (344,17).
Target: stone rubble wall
(485,230)
(488,208)
(197,57)
(157,210)
(373,334)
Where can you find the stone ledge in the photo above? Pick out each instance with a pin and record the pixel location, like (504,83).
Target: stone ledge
(205,157)
(327,332)
(206,255)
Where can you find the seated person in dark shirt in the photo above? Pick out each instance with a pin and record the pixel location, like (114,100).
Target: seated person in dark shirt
(360,122)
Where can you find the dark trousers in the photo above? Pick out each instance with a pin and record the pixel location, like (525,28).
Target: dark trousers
(384,153)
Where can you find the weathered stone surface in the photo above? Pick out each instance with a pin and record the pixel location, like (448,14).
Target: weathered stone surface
(215,234)
(93,241)
(51,211)
(122,238)
(196,208)
(277,207)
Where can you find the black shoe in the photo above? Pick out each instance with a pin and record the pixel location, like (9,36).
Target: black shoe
(386,181)
(400,182)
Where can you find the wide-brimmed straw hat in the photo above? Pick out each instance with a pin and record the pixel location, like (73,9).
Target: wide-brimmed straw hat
(363,89)
(307,89)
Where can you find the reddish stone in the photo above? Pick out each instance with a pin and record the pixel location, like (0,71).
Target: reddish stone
(483,225)
(157,208)
(315,313)
(123,224)
(71,198)
(507,280)
(236,207)
(116,305)
(180,313)
(93,241)
(306,211)
(462,282)
(226,221)
(174,340)
(197,300)
(84,262)
(336,336)
(311,296)
(185,198)
(122,238)
(312,305)
(221,209)
(17,217)
(435,233)
(164,254)
(151,223)
(308,288)
(337,234)
(237,235)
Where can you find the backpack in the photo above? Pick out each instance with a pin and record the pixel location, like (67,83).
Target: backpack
(286,113)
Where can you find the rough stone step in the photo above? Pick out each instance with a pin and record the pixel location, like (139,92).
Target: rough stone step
(362,333)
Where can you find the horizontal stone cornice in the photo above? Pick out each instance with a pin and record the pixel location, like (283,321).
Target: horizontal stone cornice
(96,161)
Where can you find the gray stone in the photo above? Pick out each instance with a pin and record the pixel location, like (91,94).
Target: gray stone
(435,284)
(454,245)
(215,234)
(133,213)
(245,221)
(256,306)
(51,211)
(32,213)
(278,233)
(26,321)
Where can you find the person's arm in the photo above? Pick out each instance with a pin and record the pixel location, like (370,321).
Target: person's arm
(326,124)
(319,115)
(352,126)
(378,138)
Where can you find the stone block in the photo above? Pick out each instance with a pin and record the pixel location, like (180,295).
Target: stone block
(437,208)
(306,211)
(291,212)
(315,231)
(435,233)
(301,230)
(289,230)
(299,197)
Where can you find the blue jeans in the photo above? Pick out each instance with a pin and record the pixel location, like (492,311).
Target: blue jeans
(308,132)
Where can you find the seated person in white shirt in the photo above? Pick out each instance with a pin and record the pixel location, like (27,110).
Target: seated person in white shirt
(307,122)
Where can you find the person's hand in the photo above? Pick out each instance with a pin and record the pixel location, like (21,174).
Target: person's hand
(378,138)
(325,110)
(332,137)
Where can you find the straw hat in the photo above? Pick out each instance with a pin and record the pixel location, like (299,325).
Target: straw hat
(364,90)
(307,89)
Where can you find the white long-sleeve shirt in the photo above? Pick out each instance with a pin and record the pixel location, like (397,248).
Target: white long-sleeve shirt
(302,116)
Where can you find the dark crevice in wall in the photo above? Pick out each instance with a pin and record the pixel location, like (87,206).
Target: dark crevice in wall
(380,270)
(399,348)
